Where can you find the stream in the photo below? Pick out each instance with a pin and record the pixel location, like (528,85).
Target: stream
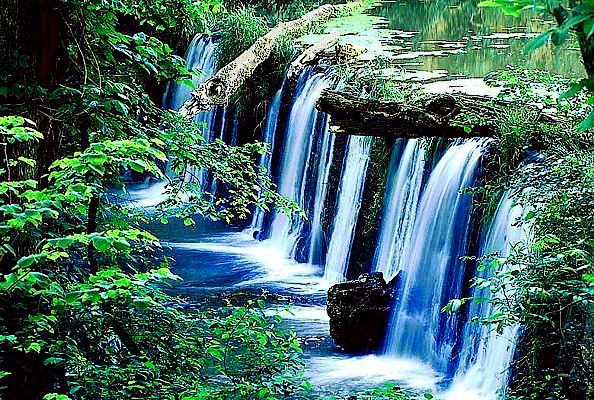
(425,223)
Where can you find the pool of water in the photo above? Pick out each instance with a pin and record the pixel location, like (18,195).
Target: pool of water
(444,40)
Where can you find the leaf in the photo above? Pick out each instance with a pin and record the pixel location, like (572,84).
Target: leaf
(537,42)
(96,159)
(101,243)
(575,20)
(572,91)
(587,123)
(589,28)
(490,3)
(62,243)
(27,261)
(559,36)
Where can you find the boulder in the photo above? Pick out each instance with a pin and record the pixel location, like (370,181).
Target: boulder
(359,312)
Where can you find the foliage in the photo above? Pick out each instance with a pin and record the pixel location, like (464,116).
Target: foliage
(390,392)
(543,286)
(576,17)
(110,326)
(237,31)
(81,285)
(547,286)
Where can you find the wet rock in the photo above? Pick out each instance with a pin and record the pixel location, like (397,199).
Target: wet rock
(359,312)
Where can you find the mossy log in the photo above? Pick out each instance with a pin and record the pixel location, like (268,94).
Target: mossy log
(433,115)
(219,89)
(311,54)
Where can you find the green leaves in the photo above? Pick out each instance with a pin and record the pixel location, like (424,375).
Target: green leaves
(509,7)
(17,129)
(101,243)
(453,306)
(538,41)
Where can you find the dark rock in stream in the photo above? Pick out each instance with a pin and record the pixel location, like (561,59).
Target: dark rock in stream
(359,312)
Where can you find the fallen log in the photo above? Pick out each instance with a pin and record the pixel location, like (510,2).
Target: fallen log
(311,54)
(219,89)
(432,116)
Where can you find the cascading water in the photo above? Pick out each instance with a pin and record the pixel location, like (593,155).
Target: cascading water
(201,58)
(217,123)
(299,152)
(401,200)
(349,204)
(431,267)
(317,242)
(486,355)
(268,136)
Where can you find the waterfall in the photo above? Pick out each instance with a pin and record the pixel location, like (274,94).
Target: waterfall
(486,355)
(349,202)
(268,136)
(317,242)
(200,58)
(401,198)
(216,123)
(431,266)
(300,152)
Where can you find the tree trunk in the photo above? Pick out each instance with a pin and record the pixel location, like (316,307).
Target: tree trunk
(219,89)
(30,49)
(33,54)
(430,117)
(311,54)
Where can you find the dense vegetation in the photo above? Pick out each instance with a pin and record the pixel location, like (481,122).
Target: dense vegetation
(83,301)
(83,310)
(546,285)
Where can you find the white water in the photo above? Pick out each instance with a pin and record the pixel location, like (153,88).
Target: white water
(296,156)
(401,200)
(268,136)
(202,61)
(347,210)
(316,236)
(486,356)
(431,265)
(422,233)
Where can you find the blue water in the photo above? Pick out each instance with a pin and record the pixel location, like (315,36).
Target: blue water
(424,231)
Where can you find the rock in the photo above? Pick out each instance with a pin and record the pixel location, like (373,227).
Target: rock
(359,312)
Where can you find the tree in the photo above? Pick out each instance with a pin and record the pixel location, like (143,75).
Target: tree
(81,302)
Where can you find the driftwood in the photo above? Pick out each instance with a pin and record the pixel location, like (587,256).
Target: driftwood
(436,115)
(219,89)
(311,54)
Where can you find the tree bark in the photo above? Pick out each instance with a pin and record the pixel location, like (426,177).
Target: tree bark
(431,116)
(311,54)
(33,54)
(219,89)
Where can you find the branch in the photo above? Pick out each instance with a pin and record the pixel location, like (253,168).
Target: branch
(311,54)
(432,116)
(219,89)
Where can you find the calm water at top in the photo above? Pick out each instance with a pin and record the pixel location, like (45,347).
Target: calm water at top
(442,40)
(472,41)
